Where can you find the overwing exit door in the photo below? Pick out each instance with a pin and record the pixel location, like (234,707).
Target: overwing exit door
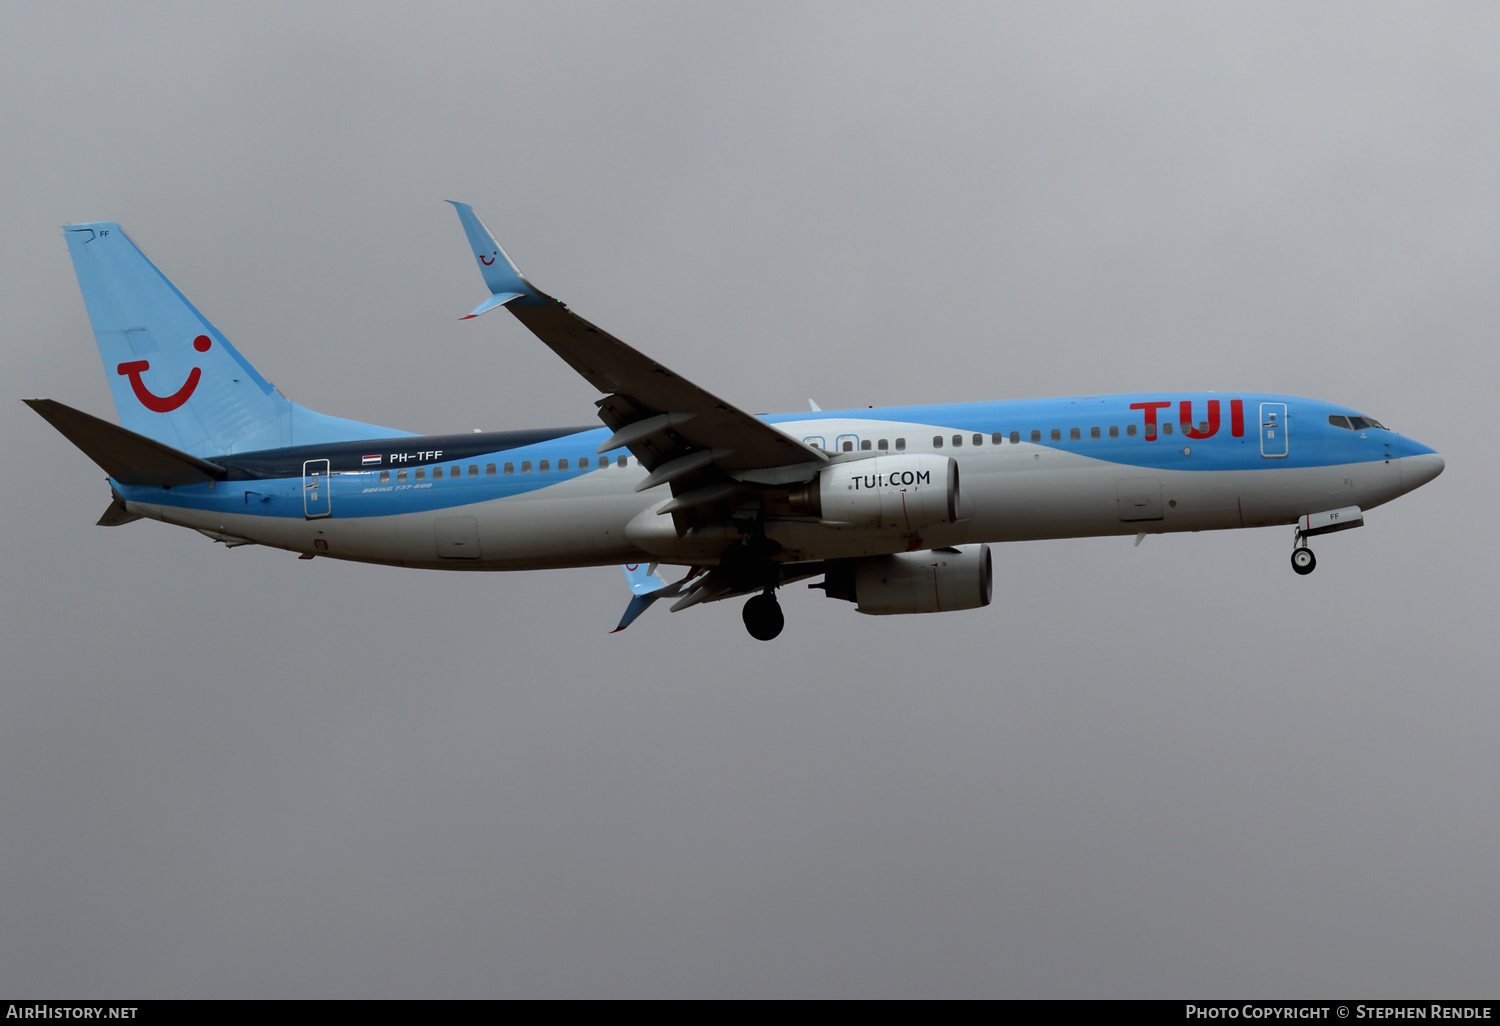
(315,498)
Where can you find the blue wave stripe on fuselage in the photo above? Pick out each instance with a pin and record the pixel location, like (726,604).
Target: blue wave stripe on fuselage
(1313,442)
(270,483)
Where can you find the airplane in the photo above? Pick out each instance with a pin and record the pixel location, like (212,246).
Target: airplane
(894,509)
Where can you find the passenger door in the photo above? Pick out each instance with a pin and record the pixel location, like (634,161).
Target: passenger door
(1273,430)
(316,500)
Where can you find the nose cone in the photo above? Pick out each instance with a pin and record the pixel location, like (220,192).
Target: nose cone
(1418,470)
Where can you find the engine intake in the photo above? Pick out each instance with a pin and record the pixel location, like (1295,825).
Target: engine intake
(900,492)
(935,581)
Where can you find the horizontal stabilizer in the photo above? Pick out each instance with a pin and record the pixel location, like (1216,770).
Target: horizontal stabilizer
(127,457)
(116,515)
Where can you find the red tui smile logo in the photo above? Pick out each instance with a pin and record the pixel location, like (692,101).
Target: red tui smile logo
(157,403)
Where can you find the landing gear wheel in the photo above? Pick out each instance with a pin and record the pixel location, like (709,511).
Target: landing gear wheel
(1303,561)
(762,616)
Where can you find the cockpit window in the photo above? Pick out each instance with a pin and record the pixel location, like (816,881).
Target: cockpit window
(1355,423)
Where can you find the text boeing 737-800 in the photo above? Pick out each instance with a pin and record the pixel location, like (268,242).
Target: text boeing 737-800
(894,508)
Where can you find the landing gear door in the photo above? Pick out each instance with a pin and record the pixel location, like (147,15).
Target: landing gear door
(1273,440)
(316,501)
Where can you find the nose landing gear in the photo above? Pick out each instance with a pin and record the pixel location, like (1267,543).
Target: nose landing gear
(1303,560)
(763,617)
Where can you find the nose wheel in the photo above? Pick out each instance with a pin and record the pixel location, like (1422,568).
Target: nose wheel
(763,617)
(1303,560)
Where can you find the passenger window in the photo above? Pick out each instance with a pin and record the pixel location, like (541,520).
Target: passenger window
(437,473)
(623,461)
(1166,428)
(884,445)
(900,445)
(978,439)
(1130,430)
(1093,432)
(1073,434)
(510,468)
(473,470)
(1114,431)
(865,445)
(421,474)
(937,441)
(848,445)
(958,440)
(1150,432)
(525,466)
(1203,427)
(544,466)
(489,469)
(583,463)
(1057,434)
(562,464)
(400,475)
(1015,438)
(1036,436)
(385,476)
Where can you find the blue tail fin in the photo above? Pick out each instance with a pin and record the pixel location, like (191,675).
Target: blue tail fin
(174,377)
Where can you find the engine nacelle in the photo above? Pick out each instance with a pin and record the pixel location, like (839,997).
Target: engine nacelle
(935,581)
(886,492)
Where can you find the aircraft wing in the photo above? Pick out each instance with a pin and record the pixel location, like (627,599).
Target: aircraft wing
(680,432)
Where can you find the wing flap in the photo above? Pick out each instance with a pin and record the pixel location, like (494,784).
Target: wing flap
(649,390)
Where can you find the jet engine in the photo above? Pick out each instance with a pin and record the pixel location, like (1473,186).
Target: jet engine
(935,581)
(889,492)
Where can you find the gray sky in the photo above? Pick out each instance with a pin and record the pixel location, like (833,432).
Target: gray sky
(1177,770)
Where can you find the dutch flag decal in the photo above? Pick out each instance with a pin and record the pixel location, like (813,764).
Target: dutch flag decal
(369,461)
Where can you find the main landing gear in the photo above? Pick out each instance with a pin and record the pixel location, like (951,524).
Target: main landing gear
(762,616)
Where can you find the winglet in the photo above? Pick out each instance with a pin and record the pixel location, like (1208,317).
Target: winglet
(505,280)
(498,299)
(646,586)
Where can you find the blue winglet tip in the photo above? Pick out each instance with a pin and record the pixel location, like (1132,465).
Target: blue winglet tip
(498,299)
(500,273)
(638,605)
